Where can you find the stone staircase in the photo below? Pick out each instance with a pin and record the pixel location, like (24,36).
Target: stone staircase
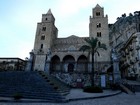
(130,86)
(134,84)
(30,85)
(62,88)
(126,89)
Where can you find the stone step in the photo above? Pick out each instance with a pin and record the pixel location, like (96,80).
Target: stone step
(49,98)
(63,89)
(29,84)
(126,89)
(137,88)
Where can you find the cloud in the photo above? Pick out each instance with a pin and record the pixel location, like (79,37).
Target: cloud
(68,15)
(115,8)
(19,20)
(79,29)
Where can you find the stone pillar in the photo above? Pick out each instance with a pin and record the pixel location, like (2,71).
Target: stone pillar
(61,67)
(116,71)
(29,65)
(48,61)
(75,67)
(47,67)
(90,67)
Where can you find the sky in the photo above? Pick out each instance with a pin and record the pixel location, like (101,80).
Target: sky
(19,18)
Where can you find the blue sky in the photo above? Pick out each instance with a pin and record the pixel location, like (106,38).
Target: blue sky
(18,20)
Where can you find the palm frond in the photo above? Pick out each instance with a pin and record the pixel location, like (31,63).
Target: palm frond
(85,48)
(103,46)
(92,41)
(98,53)
(92,45)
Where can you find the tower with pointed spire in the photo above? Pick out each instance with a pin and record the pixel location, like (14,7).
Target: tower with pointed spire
(46,33)
(98,27)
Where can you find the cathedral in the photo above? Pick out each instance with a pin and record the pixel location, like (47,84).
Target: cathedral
(61,56)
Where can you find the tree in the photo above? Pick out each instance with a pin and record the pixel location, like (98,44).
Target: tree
(92,46)
(124,15)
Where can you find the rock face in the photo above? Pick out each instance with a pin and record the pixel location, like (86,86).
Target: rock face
(124,38)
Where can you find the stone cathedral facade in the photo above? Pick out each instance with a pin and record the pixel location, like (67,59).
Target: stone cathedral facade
(61,56)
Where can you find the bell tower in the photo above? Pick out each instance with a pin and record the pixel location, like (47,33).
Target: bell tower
(98,27)
(46,33)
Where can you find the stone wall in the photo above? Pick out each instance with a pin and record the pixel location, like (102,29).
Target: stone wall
(74,79)
(80,80)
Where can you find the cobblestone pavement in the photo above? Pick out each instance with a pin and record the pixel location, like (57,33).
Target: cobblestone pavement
(121,99)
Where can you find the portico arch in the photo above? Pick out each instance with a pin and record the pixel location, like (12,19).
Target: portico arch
(82,64)
(68,63)
(55,63)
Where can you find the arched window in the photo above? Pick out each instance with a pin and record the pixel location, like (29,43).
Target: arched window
(97,13)
(41,46)
(71,48)
(99,43)
(98,25)
(98,34)
(43,28)
(43,37)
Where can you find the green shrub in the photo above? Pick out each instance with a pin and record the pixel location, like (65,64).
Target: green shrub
(48,80)
(46,77)
(51,83)
(56,88)
(115,87)
(17,96)
(43,75)
(93,89)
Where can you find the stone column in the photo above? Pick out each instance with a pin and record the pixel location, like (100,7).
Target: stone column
(60,67)
(75,67)
(29,65)
(47,67)
(48,61)
(116,71)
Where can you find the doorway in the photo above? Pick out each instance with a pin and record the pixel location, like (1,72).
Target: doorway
(70,67)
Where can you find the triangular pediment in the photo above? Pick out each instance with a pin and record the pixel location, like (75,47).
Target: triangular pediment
(98,6)
(73,36)
(49,11)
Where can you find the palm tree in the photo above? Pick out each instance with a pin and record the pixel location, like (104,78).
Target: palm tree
(92,46)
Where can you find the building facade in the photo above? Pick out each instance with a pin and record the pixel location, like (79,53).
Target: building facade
(15,64)
(61,56)
(125,38)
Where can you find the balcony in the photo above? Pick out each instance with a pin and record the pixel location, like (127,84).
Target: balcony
(123,54)
(130,48)
(126,51)
(125,64)
(137,59)
(132,61)
(137,47)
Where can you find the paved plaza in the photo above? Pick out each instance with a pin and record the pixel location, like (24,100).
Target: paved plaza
(120,99)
